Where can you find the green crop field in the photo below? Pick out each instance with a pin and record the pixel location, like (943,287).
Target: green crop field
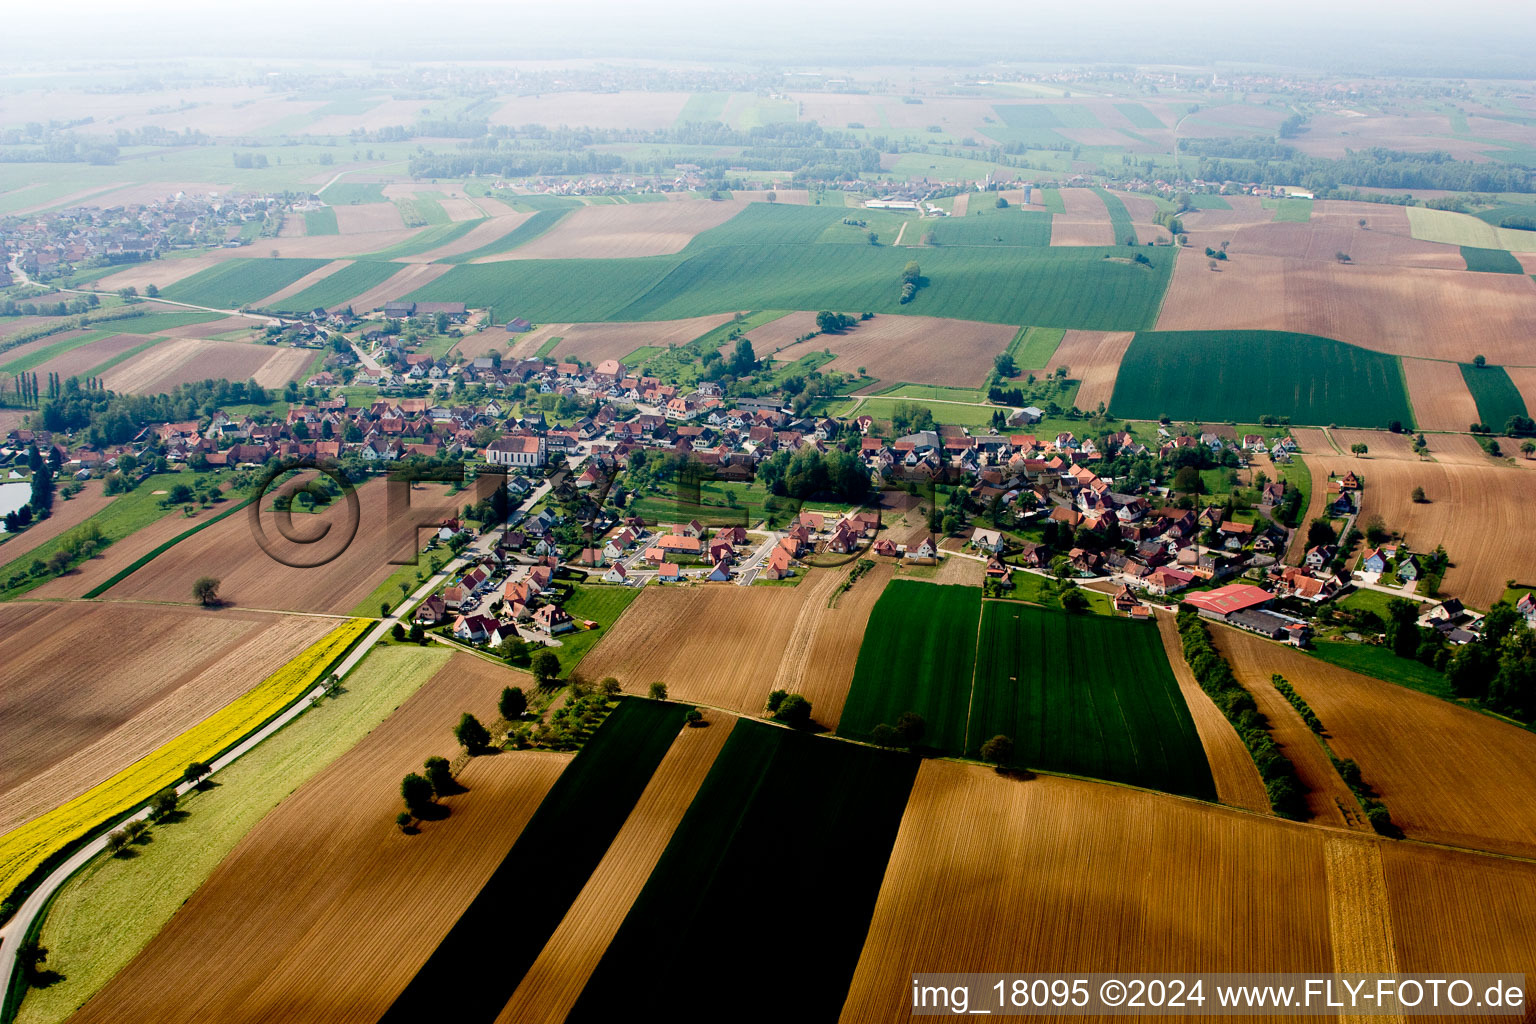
(1491,261)
(883,407)
(321,222)
(1207,202)
(527,231)
(935,391)
(1033,347)
(154,323)
(1006,227)
(420,212)
(1217,376)
(1050,198)
(234,283)
(1119,217)
(1496,396)
(1041,124)
(475,969)
(1509,215)
(918,654)
(39,356)
(1140,116)
(773,800)
(1086,694)
(704,106)
(335,289)
(1076,287)
(1295,210)
(427,238)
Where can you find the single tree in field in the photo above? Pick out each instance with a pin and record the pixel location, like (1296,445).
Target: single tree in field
(116,841)
(440,774)
(30,957)
(1528,448)
(1362,223)
(883,735)
(795,710)
(196,772)
(417,793)
(658,691)
(1074,601)
(694,717)
(472,736)
(1418,494)
(512,704)
(1360,448)
(998,750)
(773,197)
(1479,360)
(776,698)
(910,728)
(610,687)
(546,667)
(403,821)
(206,590)
(163,803)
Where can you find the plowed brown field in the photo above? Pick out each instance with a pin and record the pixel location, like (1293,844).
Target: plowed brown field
(556,978)
(1447,774)
(80,361)
(1476,507)
(1092,357)
(325,910)
(596,342)
(66,516)
(1322,241)
(915,349)
(119,555)
(183,360)
(1405,311)
(89,689)
(631,229)
(718,645)
(1086,221)
(1329,801)
(368,218)
(1065,875)
(1439,394)
(1524,378)
(250,578)
(1238,782)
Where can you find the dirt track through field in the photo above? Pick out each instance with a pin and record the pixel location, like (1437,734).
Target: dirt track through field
(89,689)
(1238,783)
(556,978)
(1447,774)
(1359,914)
(1329,801)
(1092,357)
(325,910)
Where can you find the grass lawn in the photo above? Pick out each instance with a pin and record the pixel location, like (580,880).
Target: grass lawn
(1037,589)
(1381,663)
(1086,694)
(1033,347)
(1367,601)
(476,968)
(602,604)
(1216,376)
(943,412)
(109,911)
(388,591)
(918,654)
(935,391)
(773,798)
(126,514)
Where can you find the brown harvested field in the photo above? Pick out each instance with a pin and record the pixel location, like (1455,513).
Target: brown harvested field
(183,360)
(1477,510)
(294,226)
(1093,357)
(67,514)
(459,209)
(1439,394)
(961,571)
(916,349)
(1064,875)
(1086,221)
(717,644)
(367,218)
(325,910)
(1448,774)
(89,689)
(16,324)
(1322,241)
(598,341)
(1245,210)
(525,346)
(1464,450)
(618,110)
(251,579)
(118,556)
(962,205)
(404,282)
(1450,907)
(827,672)
(1142,210)
(313,277)
(1404,311)
(1238,783)
(1313,440)
(1329,801)
(562,969)
(79,361)
(481,234)
(623,230)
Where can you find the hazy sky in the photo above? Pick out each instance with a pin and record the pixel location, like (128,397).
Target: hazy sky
(1468,37)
